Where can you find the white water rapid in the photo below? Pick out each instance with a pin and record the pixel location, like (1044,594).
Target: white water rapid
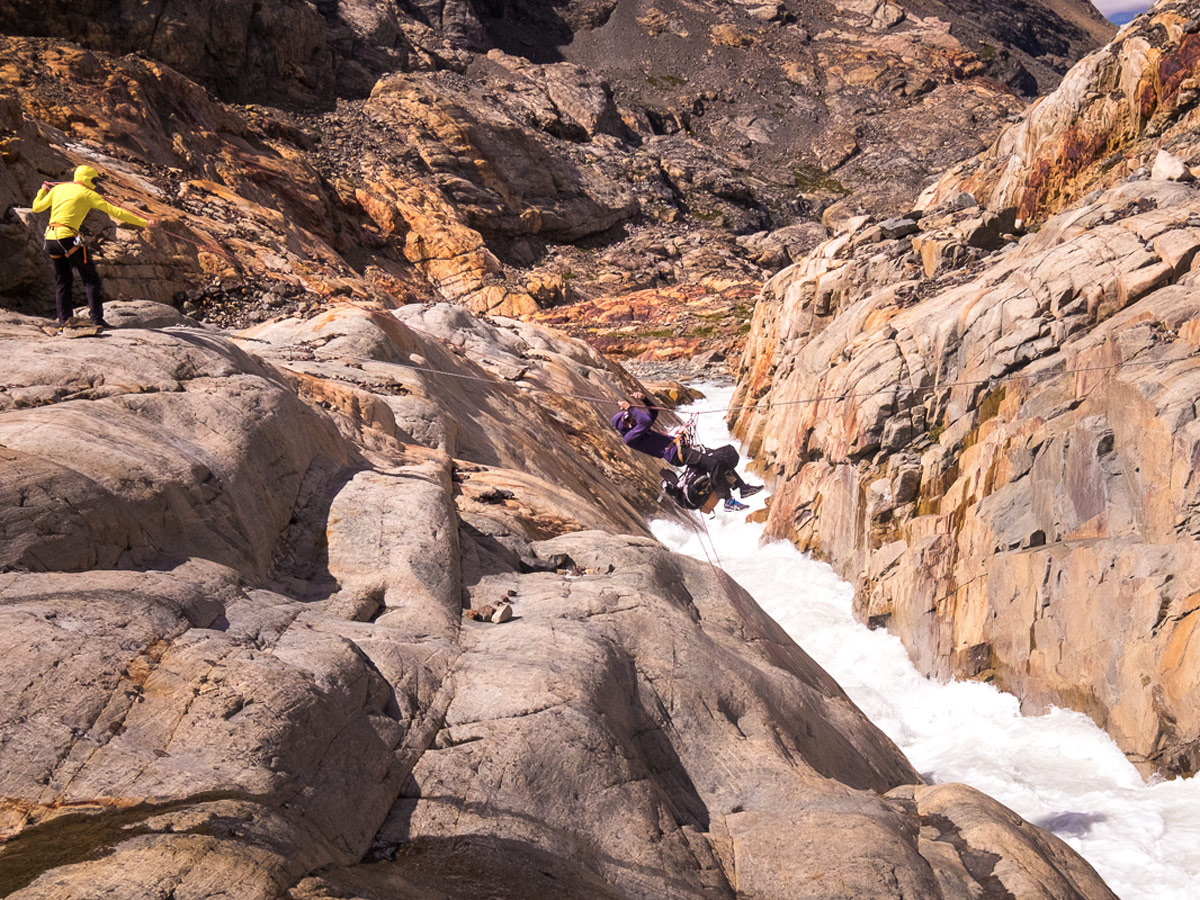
(1057,770)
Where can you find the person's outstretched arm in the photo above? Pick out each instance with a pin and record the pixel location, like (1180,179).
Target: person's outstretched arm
(121,215)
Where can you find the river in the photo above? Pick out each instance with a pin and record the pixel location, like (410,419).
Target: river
(1057,770)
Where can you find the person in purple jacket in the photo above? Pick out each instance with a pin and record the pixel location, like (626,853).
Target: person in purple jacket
(635,425)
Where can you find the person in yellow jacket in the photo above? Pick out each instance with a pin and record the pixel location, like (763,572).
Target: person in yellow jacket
(69,203)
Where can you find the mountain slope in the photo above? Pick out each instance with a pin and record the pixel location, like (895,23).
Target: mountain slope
(805,106)
(1108,120)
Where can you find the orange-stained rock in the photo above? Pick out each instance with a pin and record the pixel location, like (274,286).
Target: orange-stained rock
(453,256)
(250,206)
(659,324)
(1111,116)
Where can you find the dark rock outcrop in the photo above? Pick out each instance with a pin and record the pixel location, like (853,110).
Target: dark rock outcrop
(246,50)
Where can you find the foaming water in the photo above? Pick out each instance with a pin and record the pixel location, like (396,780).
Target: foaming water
(1057,770)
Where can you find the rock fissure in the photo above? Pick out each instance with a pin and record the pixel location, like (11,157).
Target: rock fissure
(72,838)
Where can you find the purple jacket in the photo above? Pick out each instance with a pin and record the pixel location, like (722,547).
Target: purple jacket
(640,436)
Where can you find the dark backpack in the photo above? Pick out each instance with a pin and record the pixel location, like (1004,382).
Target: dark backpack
(691,490)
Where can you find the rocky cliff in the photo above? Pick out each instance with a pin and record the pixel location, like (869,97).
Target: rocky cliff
(993,433)
(234,576)
(1109,119)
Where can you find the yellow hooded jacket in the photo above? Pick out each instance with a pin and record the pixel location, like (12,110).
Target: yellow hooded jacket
(70,202)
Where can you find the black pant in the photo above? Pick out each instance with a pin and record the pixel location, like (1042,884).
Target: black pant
(68,254)
(720,464)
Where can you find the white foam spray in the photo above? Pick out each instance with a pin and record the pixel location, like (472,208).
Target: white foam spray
(1057,770)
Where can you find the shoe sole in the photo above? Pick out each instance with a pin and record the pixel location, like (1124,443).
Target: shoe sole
(78,332)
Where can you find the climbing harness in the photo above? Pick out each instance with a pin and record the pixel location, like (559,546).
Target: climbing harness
(700,526)
(684,436)
(693,490)
(75,245)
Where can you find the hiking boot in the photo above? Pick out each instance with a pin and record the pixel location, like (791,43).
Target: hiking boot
(749,490)
(732,505)
(101,323)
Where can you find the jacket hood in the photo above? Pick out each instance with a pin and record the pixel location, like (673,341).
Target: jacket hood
(86,176)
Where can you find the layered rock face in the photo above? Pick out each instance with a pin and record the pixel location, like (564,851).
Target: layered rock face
(511,158)
(236,661)
(994,436)
(1110,117)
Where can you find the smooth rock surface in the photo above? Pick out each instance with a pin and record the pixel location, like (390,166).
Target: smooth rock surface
(237,662)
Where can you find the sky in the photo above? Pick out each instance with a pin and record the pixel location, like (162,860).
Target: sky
(1114,8)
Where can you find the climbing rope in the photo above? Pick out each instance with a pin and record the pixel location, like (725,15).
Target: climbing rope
(822,398)
(605,401)
(690,427)
(710,553)
(204,247)
(179,237)
(687,431)
(770,404)
(966,382)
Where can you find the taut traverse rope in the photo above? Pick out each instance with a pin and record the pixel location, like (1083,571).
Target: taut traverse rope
(768,405)
(850,395)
